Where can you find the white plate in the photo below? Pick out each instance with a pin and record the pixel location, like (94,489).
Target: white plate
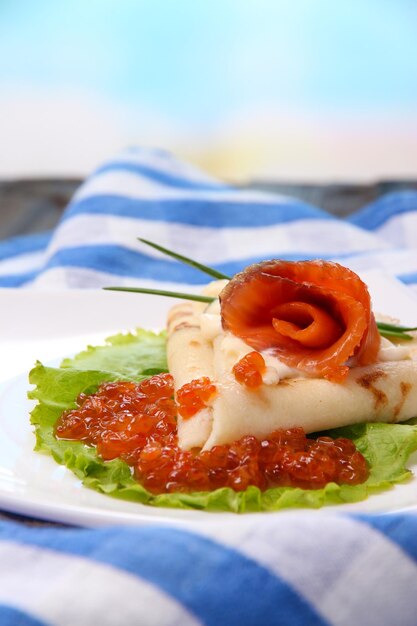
(51,325)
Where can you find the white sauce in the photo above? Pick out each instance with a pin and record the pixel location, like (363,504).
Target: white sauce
(392,352)
(276,370)
(210,320)
(211,325)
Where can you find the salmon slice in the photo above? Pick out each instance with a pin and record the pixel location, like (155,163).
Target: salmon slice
(312,315)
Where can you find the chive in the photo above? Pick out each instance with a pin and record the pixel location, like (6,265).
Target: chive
(158,292)
(394,327)
(392,334)
(394,331)
(179,257)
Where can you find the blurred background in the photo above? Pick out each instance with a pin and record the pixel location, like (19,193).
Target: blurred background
(270,92)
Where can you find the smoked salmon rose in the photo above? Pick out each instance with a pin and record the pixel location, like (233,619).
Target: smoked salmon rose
(312,315)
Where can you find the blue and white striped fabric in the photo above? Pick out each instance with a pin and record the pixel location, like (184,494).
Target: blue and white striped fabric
(294,568)
(151,195)
(291,569)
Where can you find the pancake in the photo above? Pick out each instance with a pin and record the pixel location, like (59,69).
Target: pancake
(199,345)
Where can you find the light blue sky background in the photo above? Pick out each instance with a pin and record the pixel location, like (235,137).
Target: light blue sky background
(186,73)
(199,59)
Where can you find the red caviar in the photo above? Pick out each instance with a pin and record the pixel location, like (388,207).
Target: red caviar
(248,371)
(137,423)
(194,396)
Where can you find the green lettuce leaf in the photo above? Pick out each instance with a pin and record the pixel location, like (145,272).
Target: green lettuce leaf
(135,356)
(127,356)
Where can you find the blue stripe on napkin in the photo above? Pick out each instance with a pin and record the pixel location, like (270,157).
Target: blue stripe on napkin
(119,261)
(24,245)
(123,262)
(161,177)
(401,529)
(11,616)
(408,279)
(17,280)
(196,212)
(382,210)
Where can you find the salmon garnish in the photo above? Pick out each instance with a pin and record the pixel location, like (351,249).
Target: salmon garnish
(312,315)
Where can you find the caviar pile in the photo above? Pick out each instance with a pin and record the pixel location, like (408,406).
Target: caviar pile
(248,371)
(137,422)
(193,396)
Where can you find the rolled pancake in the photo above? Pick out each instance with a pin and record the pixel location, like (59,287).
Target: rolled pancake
(189,356)
(385,392)
(382,392)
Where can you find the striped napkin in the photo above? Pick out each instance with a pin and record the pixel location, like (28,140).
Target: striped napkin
(292,568)
(149,194)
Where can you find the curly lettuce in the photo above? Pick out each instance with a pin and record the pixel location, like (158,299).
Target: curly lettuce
(134,356)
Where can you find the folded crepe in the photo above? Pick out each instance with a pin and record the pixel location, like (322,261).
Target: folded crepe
(326,364)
